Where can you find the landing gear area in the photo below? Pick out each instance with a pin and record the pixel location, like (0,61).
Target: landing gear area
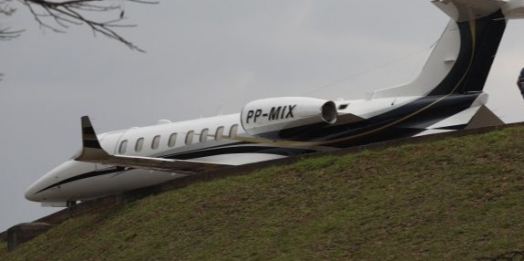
(71,203)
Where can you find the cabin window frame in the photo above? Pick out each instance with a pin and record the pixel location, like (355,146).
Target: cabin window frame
(171,142)
(123,147)
(233,131)
(219,133)
(203,135)
(155,143)
(139,144)
(189,137)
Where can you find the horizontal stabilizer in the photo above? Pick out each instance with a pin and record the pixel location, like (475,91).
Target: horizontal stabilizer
(94,153)
(467,10)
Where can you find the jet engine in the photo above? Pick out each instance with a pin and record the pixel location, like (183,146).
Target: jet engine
(287,118)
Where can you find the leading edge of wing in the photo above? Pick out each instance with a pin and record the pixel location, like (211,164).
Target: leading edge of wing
(94,153)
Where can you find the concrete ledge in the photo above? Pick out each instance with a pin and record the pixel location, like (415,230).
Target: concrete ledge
(3,236)
(24,232)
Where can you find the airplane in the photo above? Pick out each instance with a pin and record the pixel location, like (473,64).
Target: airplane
(446,96)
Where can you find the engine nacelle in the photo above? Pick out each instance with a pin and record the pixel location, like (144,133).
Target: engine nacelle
(286,118)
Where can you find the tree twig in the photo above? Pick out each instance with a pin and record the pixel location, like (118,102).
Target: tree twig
(59,15)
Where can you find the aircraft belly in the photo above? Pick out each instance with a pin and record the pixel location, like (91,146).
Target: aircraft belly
(109,183)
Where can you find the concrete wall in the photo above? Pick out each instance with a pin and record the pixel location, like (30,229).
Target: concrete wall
(3,236)
(24,232)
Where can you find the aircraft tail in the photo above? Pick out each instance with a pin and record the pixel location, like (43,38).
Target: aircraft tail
(463,56)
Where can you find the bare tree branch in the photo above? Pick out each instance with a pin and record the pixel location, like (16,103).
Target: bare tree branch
(5,32)
(58,16)
(8,34)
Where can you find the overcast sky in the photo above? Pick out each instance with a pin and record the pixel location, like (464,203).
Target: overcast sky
(206,58)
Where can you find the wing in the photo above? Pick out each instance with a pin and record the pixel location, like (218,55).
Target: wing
(94,153)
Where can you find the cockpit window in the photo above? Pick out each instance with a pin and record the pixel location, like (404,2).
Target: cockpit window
(123,146)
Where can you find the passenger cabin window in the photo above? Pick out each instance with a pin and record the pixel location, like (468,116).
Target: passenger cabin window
(156,142)
(219,133)
(189,137)
(172,140)
(233,131)
(203,135)
(123,146)
(139,144)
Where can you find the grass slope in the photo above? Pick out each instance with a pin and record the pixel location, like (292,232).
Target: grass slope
(455,199)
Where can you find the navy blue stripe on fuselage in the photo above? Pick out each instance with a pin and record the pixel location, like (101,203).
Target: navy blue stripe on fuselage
(87,175)
(283,151)
(421,113)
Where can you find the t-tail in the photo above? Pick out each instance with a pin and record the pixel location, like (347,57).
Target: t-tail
(463,56)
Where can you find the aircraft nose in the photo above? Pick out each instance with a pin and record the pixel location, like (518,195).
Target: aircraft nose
(34,192)
(47,188)
(30,193)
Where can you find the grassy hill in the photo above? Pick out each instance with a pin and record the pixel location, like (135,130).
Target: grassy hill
(454,199)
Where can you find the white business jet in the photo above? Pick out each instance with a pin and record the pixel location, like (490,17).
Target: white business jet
(446,96)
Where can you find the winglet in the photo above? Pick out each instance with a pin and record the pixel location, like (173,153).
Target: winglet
(89,139)
(91,149)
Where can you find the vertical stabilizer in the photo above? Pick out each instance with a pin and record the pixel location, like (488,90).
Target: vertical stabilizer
(463,56)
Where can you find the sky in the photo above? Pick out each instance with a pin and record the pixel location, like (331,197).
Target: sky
(205,58)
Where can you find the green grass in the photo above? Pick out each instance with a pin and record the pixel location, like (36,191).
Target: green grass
(3,248)
(454,199)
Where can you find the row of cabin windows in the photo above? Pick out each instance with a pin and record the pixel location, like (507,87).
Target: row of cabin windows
(172,139)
